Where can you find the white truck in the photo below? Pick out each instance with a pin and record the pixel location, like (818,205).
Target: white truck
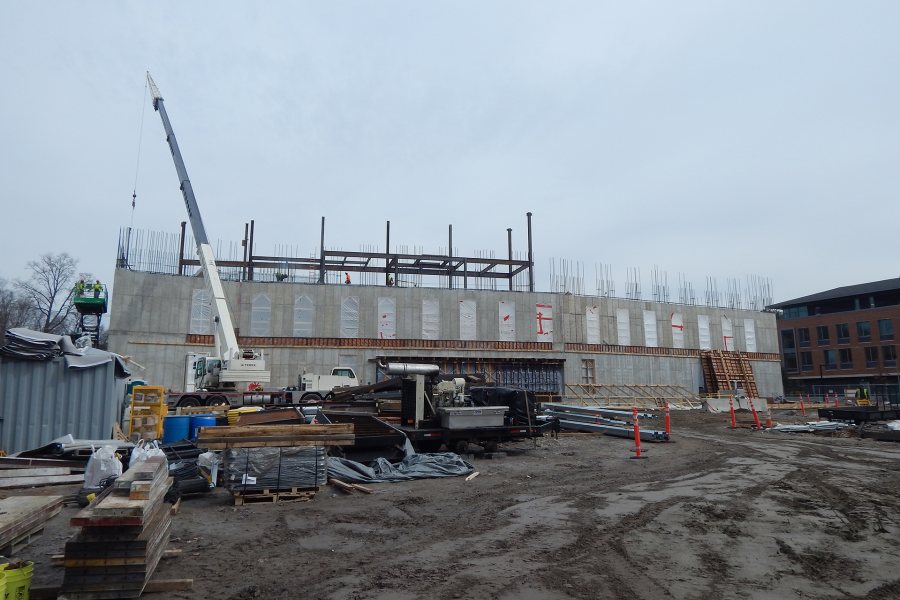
(314,387)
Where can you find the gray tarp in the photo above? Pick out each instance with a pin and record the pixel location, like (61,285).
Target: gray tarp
(417,466)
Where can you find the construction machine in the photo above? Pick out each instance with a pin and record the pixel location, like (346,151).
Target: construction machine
(230,364)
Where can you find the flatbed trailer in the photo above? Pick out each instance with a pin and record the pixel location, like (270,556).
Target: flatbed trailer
(860,414)
(373,433)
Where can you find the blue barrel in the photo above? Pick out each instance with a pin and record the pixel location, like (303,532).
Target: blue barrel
(175,428)
(198,421)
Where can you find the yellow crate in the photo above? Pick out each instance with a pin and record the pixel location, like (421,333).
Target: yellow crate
(148,408)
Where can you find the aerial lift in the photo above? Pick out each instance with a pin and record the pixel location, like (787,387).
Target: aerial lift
(230,363)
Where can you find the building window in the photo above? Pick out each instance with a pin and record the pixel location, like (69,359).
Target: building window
(830,358)
(822,335)
(790,362)
(863,331)
(787,339)
(806,361)
(871,357)
(843,333)
(846,358)
(889,355)
(587,371)
(803,337)
(261,316)
(885,329)
(795,313)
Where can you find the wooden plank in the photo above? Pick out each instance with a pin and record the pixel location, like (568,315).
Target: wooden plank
(362,488)
(15,462)
(341,485)
(266,430)
(59,559)
(10,483)
(270,444)
(35,472)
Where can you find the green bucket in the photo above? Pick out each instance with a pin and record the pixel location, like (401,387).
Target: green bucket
(18,581)
(3,584)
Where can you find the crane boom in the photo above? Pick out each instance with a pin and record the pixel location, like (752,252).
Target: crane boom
(237,364)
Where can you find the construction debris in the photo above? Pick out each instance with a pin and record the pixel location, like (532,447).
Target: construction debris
(811,426)
(602,420)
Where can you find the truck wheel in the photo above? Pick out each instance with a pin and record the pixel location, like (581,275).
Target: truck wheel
(490,446)
(461,447)
(310,398)
(217,401)
(189,401)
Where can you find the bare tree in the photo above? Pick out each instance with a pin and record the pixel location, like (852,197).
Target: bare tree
(15,309)
(49,290)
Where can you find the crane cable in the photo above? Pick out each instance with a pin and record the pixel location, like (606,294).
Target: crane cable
(137,165)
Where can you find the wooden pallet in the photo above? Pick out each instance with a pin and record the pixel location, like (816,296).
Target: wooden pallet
(23,517)
(273,496)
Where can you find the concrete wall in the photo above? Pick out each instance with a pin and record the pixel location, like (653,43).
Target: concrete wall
(150,317)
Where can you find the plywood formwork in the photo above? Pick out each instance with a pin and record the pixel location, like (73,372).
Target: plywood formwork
(725,371)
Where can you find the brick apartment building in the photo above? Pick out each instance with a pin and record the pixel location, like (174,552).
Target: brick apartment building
(841,339)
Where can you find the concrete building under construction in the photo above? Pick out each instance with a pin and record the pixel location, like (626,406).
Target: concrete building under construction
(444,309)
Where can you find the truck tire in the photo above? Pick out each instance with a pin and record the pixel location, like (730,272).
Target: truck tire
(310,398)
(217,401)
(189,401)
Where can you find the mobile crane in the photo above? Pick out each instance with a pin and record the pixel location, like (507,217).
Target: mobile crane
(230,364)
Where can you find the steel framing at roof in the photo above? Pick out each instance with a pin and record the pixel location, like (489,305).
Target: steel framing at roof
(391,264)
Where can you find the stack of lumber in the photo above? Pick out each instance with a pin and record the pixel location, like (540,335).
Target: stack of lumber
(275,436)
(26,477)
(123,535)
(22,517)
(281,416)
(272,463)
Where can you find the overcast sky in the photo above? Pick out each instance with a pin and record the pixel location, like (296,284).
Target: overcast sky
(706,138)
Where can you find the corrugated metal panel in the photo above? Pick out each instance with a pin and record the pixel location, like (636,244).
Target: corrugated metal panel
(41,401)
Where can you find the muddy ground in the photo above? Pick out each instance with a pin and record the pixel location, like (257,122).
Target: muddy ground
(719,513)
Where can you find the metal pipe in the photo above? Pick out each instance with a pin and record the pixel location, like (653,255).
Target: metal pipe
(322,254)
(530,257)
(250,252)
(387,252)
(244,244)
(409,369)
(181,249)
(450,256)
(509,243)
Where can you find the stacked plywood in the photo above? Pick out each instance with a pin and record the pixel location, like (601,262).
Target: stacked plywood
(22,517)
(124,533)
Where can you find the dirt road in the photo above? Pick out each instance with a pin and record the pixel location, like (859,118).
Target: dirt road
(717,514)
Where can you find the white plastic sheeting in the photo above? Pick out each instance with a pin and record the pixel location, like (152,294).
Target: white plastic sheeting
(728,335)
(623,327)
(592,324)
(304,316)
(387,319)
(651,338)
(201,313)
(261,316)
(431,319)
(750,335)
(677,330)
(543,317)
(350,317)
(467,320)
(703,331)
(507,321)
